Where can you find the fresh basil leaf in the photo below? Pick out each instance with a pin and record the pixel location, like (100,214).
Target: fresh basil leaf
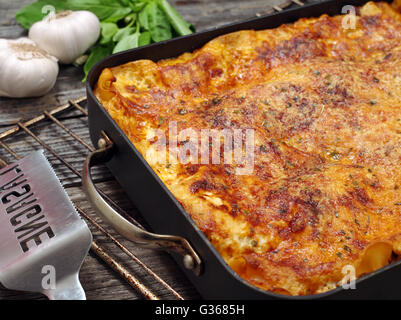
(108,30)
(127,43)
(32,13)
(159,26)
(143,19)
(122,33)
(179,24)
(144,39)
(124,2)
(106,10)
(136,6)
(97,54)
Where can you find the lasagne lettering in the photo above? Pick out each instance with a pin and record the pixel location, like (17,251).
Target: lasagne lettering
(25,213)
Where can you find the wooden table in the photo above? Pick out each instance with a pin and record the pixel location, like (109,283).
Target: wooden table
(98,280)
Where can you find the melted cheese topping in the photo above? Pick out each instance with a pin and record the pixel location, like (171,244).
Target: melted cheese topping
(324,102)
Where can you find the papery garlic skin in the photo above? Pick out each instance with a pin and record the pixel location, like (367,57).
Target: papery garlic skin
(25,69)
(67,34)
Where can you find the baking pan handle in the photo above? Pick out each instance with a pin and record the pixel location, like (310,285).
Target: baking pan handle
(137,235)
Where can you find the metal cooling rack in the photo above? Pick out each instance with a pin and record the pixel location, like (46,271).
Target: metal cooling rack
(55,117)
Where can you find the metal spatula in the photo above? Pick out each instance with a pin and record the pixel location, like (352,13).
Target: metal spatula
(43,241)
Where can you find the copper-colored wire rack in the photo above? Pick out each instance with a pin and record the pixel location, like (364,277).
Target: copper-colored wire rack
(56,117)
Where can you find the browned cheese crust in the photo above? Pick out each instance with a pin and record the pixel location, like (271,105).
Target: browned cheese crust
(325,105)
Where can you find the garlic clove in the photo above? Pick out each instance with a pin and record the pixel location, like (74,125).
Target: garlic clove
(67,34)
(25,69)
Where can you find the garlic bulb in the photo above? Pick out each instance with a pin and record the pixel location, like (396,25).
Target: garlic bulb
(66,34)
(25,69)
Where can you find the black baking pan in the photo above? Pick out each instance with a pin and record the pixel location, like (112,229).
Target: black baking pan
(161,210)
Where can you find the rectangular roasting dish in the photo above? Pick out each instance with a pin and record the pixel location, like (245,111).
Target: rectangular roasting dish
(159,207)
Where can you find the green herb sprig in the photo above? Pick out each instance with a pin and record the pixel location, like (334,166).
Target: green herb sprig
(125,24)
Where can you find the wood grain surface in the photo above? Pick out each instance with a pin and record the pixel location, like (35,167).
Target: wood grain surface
(99,280)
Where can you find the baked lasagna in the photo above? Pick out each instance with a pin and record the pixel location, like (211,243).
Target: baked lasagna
(323,102)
